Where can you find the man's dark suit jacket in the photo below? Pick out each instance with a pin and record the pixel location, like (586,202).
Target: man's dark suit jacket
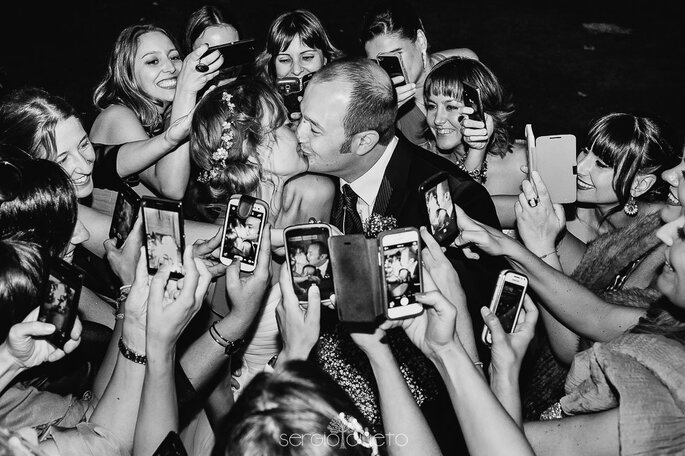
(399,196)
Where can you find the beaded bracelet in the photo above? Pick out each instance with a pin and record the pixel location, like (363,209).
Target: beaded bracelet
(130,354)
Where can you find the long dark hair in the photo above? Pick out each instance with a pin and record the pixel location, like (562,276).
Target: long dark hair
(202,18)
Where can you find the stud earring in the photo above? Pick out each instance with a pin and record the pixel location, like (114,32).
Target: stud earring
(630,208)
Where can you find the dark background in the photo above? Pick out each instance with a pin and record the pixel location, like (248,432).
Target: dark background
(561,75)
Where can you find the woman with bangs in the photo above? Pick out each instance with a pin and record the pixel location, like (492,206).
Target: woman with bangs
(147,86)
(260,160)
(486,151)
(296,45)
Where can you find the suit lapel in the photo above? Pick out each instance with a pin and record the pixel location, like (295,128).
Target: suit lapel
(393,192)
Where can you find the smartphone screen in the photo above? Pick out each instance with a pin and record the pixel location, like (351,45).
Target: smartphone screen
(402,276)
(309,259)
(441,214)
(163,237)
(242,236)
(473,100)
(392,64)
(508,305)
(60,305)
(124,216)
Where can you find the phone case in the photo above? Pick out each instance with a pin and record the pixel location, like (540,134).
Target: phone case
(245,205)
(122,223)
(446,230)
(235,54)
(392,63)
(62,295)
(164,205)
(555,161)
(473,100)
(357,278)
(418,270)
(486,337)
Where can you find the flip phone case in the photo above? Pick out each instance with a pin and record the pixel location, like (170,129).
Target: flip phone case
(357,278)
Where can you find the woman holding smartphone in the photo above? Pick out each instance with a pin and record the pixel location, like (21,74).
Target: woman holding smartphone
(393,26)
(485,150)
(207,26)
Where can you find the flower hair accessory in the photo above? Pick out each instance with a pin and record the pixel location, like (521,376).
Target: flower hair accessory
(376,224)
(343,423)
(218,159)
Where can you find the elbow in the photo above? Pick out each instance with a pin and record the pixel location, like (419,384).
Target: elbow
(174,192)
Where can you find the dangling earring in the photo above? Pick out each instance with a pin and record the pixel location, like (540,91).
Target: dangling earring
(630,208)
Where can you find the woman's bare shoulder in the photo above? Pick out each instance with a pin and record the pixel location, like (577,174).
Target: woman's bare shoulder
(117,124)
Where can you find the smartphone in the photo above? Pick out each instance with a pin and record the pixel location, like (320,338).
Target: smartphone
(125,213)
(243,227)
(442,217)
(235,54)
(171,446)
(164,238)
(306,251)
(358,296)
(555,161)
(472,99)
(400,260)
(60,305)
(392,63)
(292,89)
(530,148)
(507,301)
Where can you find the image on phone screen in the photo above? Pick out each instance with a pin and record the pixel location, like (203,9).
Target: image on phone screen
(163,238)
(509,305)
(123,218)
(310,262)
(402,278)
(242,236)
(61,302)
(441,215)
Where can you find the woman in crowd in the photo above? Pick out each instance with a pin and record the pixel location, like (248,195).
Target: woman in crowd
(390,26)
(207,26)
(148,85)
(494,159)
(296,45)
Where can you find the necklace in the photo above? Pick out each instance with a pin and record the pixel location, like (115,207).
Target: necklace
(479,175)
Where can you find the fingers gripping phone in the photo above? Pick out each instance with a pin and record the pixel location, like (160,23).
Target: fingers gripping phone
(292,90)
(507,301)
(164,238)
(60,305)
(307,254)
(400,258)
(125,214)
(392,63)
(243,227)
(442,217)
(473,99)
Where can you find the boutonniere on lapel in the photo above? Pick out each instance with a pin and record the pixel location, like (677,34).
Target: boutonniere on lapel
(376,224)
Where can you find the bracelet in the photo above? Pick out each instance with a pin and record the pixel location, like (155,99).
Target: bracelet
(479,364)
(230,347)
(130,354)
(542,257)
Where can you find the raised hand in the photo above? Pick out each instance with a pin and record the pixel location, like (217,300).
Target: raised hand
(405,92)
(123,260)
(539,222)
(207,251)
(27,350)
(299,327)
(488,239)
(476,134)
(191,79)
(439,267)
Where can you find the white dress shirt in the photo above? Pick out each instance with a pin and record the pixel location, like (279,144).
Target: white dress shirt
(367,185)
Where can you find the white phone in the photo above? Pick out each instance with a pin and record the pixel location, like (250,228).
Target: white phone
(243,227)
(400,260)
(555,160)
(507,301)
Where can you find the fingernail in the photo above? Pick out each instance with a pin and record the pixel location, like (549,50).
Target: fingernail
(485,310)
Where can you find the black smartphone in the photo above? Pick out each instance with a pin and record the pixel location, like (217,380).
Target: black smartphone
(243,227)
(442,218)
(164,238)
(125,213)
(306,251)
(401,262)
(292,90)
(171,446)
(507,301)
(472,99)
(60,305)
(235,54)
(392,63)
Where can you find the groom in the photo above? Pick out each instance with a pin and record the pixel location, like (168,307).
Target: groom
(347,131)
